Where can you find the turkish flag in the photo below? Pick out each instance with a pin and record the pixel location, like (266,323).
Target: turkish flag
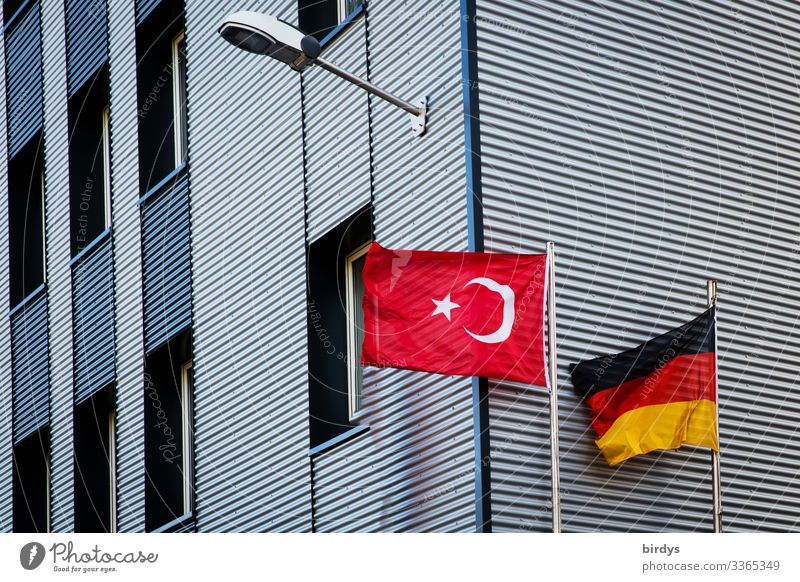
(464,314)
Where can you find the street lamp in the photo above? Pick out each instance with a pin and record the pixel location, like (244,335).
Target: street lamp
(266,35)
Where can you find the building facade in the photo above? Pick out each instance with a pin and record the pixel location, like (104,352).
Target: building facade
(186,223)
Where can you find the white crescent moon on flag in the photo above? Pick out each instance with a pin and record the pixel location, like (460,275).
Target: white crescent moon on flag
(504,332)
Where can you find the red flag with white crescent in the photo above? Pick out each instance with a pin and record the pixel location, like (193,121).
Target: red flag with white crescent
(463,314)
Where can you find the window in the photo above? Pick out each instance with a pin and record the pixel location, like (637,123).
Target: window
(161,88)
(95,464)
(169,449)
(26,222)
(179,95)
(89,163)
(112,471)
(186,433)
(319,17)
(346,7)
(354,266)
(335,326)
(31,488)
(107,164)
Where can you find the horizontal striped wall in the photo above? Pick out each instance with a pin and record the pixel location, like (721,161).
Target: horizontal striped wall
(654,143)
(93,320)
(248,262)
(6,398)
(166,257)
(30,367)
(414,469)
(59,273)
(24,95)
(336,124)
(87,40)
(128,313)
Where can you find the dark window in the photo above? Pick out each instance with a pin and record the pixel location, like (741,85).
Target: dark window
(319,17)
(335,326)
(161,88)
(94,437)
(26,221)
(10,8)
(31,503)
(168,433)
(90,184)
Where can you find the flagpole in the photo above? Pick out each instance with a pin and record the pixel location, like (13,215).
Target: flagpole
(553,377)
(715,466)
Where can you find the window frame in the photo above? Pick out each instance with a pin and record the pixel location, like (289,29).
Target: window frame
(44,236)
(48,501)
(178,91)
(112,467)
(107,164)
(355,406)
(187,436)
(342,10)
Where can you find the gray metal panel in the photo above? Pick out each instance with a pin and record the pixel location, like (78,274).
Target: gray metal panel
(24,78)
(87,40)
(93,292)
(6,410)
(414,469)
(519,431)
(655,144)
(129,340)
(166,256)
(59,274)
(337,135)
(250,353)
(144,8)
(29,367)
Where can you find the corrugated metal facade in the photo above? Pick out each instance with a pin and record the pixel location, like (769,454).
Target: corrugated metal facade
(24,78)
(250,353)
(93,292)
(59,272)
(29,367)
(6,400)
(166,257)
(337,146)
(129,334)
(653,143)
(414,469)
(87,40)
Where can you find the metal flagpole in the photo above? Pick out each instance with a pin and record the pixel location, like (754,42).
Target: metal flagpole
(715,468)
(553,377)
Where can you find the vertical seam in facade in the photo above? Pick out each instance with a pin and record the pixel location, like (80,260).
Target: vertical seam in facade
(304,157)
(480,391)
(369,125)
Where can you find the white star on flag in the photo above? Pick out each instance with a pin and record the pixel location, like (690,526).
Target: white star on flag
(445,306)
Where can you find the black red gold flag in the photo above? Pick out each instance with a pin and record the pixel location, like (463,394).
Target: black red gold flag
(659,395)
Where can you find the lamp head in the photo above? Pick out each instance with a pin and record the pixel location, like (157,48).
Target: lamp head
(266,35)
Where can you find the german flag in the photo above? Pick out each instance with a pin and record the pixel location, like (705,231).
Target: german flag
(659,395)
